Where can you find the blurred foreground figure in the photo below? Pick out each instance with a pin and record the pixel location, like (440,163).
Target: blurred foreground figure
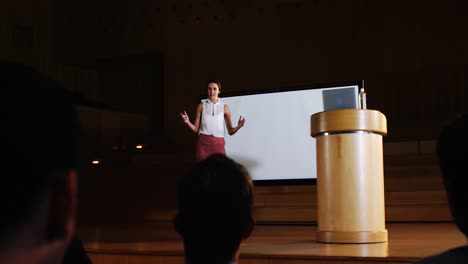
(215,210)
(39,160)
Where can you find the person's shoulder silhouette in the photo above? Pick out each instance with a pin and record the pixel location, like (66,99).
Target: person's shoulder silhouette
(38,194)
(452,152)
(76,254)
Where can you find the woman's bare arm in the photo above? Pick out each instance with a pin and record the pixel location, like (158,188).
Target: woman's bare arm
(227,119)
(195,126)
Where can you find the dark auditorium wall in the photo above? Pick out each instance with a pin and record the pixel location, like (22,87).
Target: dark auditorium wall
(25,33)
(149,60)
(26,36)
(412,53)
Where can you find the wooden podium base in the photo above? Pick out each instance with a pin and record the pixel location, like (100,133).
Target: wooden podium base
(350,185)
(352,237)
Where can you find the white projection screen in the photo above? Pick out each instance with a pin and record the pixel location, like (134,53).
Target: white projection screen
(275,144)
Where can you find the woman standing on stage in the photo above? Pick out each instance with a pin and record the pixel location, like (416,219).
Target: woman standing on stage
(210,117)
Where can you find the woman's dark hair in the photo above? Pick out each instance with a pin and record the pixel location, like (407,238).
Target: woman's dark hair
(214,81)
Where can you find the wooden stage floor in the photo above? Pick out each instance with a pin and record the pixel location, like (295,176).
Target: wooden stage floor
(157,242)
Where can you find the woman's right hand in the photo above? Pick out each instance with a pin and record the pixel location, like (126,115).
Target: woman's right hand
(185,117)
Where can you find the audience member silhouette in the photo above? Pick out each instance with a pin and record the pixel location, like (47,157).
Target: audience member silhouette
(215,210)
(452,151)
(38,196)
(76,254)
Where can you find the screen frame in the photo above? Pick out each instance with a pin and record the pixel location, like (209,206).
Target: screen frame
(288,182)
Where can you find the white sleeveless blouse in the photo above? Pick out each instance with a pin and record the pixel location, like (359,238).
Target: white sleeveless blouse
(212,119)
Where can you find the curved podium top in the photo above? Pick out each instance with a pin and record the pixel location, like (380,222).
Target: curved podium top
(347,120)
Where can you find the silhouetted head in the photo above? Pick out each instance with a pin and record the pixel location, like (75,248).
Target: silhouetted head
(215,209)
(39,157)
(452,151)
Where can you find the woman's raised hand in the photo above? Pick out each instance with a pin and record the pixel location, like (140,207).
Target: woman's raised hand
(241,121)
(185,117)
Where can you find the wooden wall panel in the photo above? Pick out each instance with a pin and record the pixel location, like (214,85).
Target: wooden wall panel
(157,260)
(98,258)
(141,259)
(413,192)
(157,242)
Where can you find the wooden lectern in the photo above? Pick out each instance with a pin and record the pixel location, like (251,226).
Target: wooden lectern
(350,185)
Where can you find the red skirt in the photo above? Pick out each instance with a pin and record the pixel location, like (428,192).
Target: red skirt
(208,145)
